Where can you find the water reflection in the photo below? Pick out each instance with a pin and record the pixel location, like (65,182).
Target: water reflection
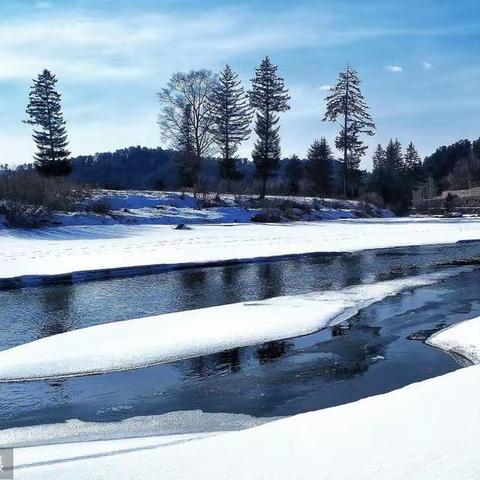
(57,306)
(271,351)
(341,329)
(361,357)
(228,361)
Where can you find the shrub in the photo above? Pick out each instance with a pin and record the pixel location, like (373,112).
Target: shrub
(268,215)
(100,207)
(25,216)
(451,202)
(209,200)
(30,189)
(372,198)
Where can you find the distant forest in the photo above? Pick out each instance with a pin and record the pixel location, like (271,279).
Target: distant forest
(157,169)
(456,166)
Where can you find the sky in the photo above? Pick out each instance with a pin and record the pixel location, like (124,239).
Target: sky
(418,61)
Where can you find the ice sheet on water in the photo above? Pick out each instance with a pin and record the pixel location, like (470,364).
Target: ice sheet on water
(186,422)
(170,337)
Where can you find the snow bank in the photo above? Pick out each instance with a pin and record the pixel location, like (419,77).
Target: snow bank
(462,338)
(29,256)
(170,337)
(424,431)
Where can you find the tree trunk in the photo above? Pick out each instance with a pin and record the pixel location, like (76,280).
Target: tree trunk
(264,187)
(345,140)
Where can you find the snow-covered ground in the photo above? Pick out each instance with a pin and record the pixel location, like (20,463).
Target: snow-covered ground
(169,208)
(426,431)
(29,255)
(175,336)
(462,339)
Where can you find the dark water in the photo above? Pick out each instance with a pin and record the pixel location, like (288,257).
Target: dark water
(373,353)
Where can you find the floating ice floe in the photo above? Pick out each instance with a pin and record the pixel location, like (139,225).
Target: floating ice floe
(170,337)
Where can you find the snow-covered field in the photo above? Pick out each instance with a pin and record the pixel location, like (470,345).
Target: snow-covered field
(426,431)
(29,255)
(170,337)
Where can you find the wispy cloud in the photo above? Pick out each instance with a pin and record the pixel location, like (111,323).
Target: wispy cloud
(81,46)
(426,65)
(84,45)
(394,68)
(324,88)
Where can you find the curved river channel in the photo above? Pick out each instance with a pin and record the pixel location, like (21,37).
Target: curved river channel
(378,350)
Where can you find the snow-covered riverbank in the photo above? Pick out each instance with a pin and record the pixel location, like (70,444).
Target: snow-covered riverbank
(427,430)
(130,207)
(27,256)
(462,339)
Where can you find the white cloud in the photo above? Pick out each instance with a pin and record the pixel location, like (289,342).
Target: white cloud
(324,88)
(394,68)
(426,65)
(85,46)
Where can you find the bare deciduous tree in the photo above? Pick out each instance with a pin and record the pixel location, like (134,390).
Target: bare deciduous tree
(188,95)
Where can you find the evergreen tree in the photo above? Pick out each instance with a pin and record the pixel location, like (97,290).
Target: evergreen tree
(413,166)
(393,157)
(268,97)
(391,178)
(345,103)
(185,150)
(232,117)
(319,167)
(294,173)
(378,158)
(476,160)
(45,112)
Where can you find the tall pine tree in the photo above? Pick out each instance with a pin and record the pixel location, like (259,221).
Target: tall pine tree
(232,118)
(268,97)
(50,135)
(319,167)
(345,104)
(378,158)
(394,157)
(185,150)
(391,178)
(413,166)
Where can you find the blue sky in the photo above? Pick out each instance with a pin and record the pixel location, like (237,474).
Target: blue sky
(419,62)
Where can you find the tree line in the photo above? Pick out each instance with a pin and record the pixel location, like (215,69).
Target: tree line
(204,115)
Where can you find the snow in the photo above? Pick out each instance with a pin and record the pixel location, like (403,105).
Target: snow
(165,338)
(426,431)
(188,422)
(462,339)
(28,256)
(168,208)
